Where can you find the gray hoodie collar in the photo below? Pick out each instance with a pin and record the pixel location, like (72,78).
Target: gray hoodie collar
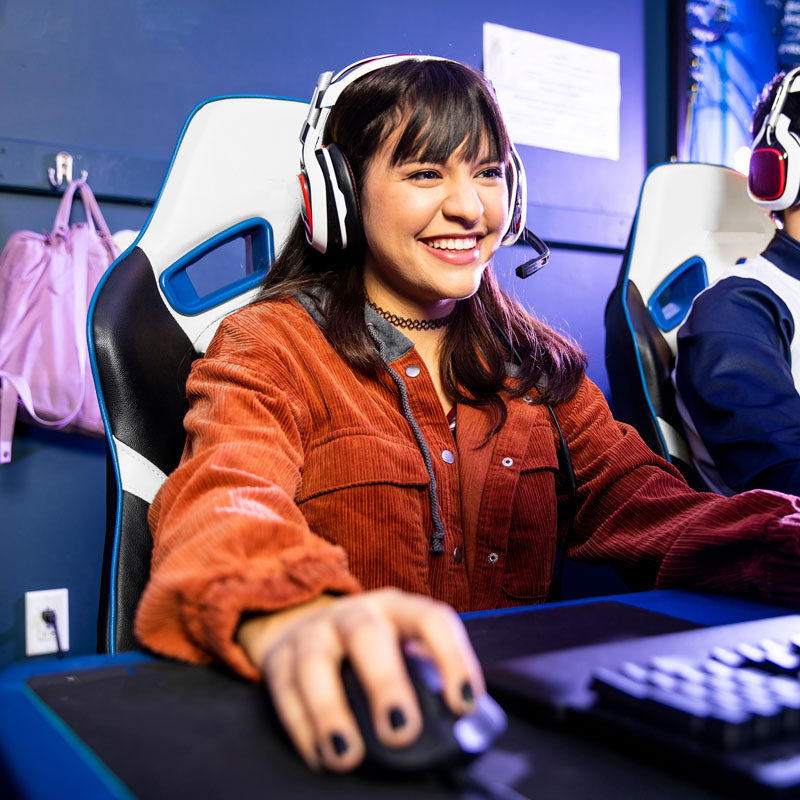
(396,345)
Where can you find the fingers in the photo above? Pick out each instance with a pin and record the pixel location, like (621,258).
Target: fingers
(303,672)
(278,671)
(370,640)
(436,628)
(318,680)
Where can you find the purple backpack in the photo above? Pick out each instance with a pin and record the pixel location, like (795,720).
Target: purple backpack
(46,283)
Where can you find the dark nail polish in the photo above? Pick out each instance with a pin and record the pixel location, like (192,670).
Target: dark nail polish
(466,692)
(396,718)
(339,743)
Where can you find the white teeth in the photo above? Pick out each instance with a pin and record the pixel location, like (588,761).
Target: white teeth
(454,244)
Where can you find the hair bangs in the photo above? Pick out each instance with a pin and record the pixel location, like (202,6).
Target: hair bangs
(447,111)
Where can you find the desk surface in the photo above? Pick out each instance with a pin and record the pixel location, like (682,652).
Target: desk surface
(129,725)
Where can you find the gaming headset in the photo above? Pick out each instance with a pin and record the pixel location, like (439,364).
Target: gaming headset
(329,205)
(773,181)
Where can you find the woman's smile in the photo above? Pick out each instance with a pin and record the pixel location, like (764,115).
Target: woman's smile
(454,249)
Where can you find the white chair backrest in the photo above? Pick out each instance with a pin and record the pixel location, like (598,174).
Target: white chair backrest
(691,211)
(237,160)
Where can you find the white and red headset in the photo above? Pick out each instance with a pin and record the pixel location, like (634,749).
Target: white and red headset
(330,202)
(773,180)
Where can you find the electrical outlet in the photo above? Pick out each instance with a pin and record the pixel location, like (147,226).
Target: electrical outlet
(40,637)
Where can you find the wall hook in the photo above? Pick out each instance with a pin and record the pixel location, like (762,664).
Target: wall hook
(62,170)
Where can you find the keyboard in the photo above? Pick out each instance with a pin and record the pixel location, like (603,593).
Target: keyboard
(721,704)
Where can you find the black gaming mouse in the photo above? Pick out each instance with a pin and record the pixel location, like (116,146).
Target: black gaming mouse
(446,738)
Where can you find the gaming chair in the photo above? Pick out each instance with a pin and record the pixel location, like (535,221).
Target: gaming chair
(693,222)
(226,205)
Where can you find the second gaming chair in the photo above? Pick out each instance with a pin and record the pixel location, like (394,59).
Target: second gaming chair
(226,205)
(693,222)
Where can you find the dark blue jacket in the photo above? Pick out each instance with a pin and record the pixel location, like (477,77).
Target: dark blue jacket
(736,389)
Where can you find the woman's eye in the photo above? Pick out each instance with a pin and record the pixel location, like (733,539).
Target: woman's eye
(492,172)
(426,175)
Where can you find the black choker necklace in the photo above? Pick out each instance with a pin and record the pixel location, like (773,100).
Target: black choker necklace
(412,324)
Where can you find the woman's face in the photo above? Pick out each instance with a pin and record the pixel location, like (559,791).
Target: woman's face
(430,228)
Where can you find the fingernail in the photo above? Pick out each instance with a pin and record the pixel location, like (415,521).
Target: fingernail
(339,743)
(466,692)
(396,718)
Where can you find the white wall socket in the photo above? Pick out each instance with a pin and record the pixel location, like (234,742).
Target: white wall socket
(40,638)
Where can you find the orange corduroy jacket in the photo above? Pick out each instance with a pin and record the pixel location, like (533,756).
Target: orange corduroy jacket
(301,476)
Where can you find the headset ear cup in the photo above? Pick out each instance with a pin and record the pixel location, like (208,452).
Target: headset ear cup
(345,181)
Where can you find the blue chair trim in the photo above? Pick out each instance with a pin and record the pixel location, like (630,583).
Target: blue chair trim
(681,286)
(182,294)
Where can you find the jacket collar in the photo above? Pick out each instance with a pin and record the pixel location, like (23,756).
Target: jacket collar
(396,345)
(784,252)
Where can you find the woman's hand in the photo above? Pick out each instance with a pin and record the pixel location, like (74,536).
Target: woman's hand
(300,652)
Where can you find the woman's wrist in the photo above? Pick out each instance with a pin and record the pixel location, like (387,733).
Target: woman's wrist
(257,632)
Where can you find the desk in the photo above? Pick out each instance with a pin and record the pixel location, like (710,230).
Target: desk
(163,729)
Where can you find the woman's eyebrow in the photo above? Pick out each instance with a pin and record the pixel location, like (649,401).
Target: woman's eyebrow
(416,159)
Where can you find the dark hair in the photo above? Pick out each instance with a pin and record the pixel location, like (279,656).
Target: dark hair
(444,106)
(763,106)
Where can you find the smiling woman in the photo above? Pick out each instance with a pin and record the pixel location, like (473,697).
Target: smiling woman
(385,438)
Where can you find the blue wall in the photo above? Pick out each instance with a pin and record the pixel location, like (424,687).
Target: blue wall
(114,80)
(735,52)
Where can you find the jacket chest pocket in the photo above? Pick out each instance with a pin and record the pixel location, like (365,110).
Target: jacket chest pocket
(370,496)
(351,460)
(533,529)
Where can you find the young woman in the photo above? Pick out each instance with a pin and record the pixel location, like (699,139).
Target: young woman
(376,443)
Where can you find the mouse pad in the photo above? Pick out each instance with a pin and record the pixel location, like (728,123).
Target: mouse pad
(168,729)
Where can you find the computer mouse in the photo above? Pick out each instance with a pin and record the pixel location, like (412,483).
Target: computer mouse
(447,739)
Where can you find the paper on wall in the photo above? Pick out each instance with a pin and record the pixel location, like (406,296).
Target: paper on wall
(553,93)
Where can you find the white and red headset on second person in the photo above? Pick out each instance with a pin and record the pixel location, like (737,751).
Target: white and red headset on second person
(773,180)
(330,202)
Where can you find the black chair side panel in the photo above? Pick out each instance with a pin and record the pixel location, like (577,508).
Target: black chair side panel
(629,393)
(143,359)
(135,550)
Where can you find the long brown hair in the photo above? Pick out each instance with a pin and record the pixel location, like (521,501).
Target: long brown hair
(444,106)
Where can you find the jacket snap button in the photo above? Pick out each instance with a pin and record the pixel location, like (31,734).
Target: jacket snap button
(448,457)
(458,555)
(507,462)
(528,398)
(493,558)
(412,371)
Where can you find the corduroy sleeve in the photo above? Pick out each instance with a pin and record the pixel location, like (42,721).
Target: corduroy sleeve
(635,511)
(228,536)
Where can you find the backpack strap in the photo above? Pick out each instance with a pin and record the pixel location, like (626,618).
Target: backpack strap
(8,415)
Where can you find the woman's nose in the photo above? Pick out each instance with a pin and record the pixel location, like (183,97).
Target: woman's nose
(462,202)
